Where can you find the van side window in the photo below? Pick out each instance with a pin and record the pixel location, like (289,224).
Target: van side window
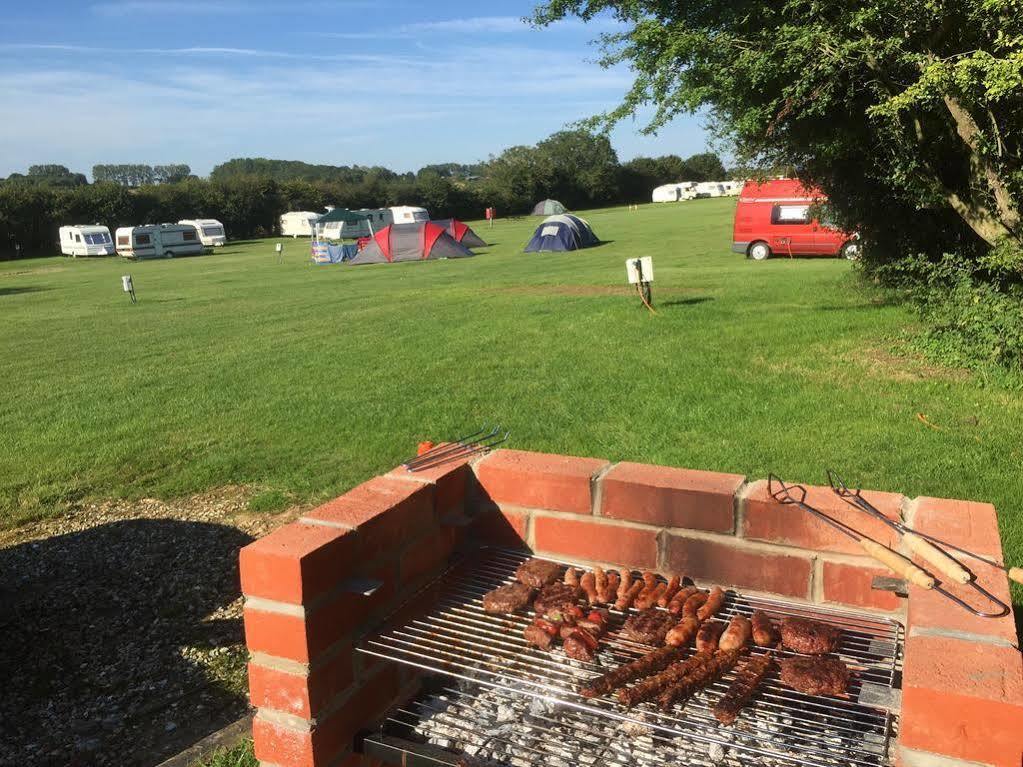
(142,239)
(78,238)
(790,214)
(188,234)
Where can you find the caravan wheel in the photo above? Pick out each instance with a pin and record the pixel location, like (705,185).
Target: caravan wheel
(168,254)
(850,251)
(760,251)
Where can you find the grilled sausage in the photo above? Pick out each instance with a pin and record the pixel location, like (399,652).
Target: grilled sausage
(646,596)
(600,578)
(625,584)
(693,604)
(737,635)
(678,601)
(613,579)
(709,635)
(589,585)
(572,576)
(682,634)
(669,591)
(715,600)
(764,632)
(625,602)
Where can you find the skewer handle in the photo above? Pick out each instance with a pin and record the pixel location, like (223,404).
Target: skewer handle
(941,561)
(897,563)
(1016,574)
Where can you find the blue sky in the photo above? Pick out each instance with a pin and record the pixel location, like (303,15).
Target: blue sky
(402,83)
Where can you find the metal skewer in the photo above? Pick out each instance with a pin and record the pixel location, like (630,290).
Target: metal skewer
(462,447)
(924,545)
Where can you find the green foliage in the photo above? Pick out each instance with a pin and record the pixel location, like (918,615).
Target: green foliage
(240,755)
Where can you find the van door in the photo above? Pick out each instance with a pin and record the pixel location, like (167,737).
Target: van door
(792,230)
(827,238)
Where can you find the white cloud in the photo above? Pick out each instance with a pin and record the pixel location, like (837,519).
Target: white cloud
(214,7)
(499,24)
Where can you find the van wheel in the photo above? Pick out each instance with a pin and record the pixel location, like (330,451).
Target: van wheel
(760,251)
(850,251)
(168,254)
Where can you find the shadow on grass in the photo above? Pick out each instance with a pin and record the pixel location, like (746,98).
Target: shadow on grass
(16,291)
(683,301)
(92,627)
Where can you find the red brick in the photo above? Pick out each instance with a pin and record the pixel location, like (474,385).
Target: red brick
(729,565)
(386,512)
(930,610)
(301,694)
(503,527)
(971,525)
(765,519)
(591,539)
(450,478)
(538,480)
(427,556)
(851,585)
(964,700)
(663,496)
(296,563)
(329,739)
(303,638)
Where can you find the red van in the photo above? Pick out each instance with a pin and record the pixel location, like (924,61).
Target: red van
(774,217)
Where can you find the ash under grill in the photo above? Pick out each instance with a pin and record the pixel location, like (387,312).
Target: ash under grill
(518,705)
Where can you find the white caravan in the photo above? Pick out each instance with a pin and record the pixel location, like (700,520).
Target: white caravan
(158,241)
(733,188)
(376,219)
(710,189)
(86,240)
(211,231)
(404,214)
(683,190)
(299,223)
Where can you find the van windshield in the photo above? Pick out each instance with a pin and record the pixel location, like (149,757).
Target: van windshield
(102,238)
(212,231)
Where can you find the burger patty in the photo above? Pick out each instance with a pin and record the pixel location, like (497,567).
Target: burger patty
(538,572)
(815,676)
(648,626)
(508,599)
(809,637)
(555,597)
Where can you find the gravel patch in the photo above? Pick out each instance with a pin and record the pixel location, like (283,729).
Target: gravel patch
(121,638)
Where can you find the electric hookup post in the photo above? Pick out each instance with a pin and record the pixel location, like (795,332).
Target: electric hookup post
(280,252)
(640,272)
(128,286)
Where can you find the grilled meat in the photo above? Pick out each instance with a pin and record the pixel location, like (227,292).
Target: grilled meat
(741,690)
(610,594)
(625,602)
(538,572)
(600,581)
(581,645)
(541,633)
(589,584)
(709,635)
(625,584)
(815,676)
(555,598)
(508,599)
(715,601)
(704,675)
(648,626)
(807,636)
(646,597)
(651,663)
(693,604)
(764,632)
(669,591)
(572,576)
(652,686)
(682,633)
(737,635)
(677,603)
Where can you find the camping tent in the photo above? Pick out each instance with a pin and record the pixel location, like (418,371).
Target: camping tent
(462,233)
(548,208)
(560,233)
(410,242)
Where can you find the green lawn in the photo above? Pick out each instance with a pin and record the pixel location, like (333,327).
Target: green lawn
(305,380)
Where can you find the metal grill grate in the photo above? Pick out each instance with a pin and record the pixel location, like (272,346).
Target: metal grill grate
(456,638)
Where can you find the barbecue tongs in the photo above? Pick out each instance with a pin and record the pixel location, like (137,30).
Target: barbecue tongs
(464,447)
(796,495)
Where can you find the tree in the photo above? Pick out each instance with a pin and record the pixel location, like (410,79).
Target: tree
(907,113)
(705,166)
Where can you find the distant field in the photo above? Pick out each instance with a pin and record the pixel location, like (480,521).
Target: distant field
(304,380)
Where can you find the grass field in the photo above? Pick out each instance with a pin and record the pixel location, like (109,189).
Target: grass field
(302,381)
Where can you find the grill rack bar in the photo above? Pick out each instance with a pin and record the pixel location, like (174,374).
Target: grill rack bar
(456,638)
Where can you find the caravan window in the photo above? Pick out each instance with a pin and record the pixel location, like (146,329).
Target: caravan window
(142,239)
(790,214)
(123,239)
(212,231)
(78,238)
(102,238)
(188,234)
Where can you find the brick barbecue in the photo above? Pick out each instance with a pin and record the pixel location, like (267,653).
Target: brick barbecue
(317,588)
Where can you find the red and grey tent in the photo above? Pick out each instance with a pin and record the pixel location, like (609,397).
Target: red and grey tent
(462,232)
(410,242)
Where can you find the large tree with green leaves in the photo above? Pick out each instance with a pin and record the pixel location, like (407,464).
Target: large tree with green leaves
(908,113)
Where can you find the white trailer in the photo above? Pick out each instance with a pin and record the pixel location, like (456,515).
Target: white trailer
(86,240)
(404,214)
(211,231)
(299,223)
(710,189)
(733,188)
(682,190)
(376,219)
(158,241)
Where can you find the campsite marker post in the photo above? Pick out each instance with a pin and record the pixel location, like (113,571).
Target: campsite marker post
(280,252)
(640,272)
(128,286)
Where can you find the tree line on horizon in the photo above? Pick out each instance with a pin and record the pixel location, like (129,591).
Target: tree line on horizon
(248,195)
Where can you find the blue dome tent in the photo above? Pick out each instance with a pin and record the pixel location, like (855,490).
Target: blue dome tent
(561,233)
